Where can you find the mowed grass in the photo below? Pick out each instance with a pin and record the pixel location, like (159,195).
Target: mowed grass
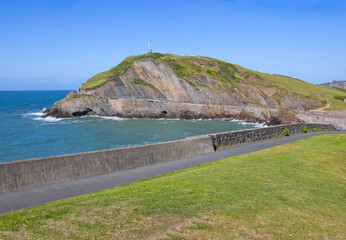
(293,191)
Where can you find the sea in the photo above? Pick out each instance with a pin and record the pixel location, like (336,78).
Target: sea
(24,134)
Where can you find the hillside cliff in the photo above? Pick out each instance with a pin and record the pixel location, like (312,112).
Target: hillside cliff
(335,84)
(171,86)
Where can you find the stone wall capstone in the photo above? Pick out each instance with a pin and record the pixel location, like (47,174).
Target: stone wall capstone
(30,173)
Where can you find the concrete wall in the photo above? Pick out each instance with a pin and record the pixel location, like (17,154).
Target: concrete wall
(339,121)
(29,173)
(258,134)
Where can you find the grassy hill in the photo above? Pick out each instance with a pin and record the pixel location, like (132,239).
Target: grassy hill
(307,89)
(183,66)
(226,74)
(293,191)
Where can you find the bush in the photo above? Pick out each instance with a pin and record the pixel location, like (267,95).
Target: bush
(226,146)
(339,97)
(319,129)
(314,130)
(278,136)
(305,129)
(286,132)
(210,71)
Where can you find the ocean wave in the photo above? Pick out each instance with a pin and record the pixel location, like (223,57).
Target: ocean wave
(35,113)
(246,123)
(253,124)
(113,118)
(168,119)
(242,122)
(200,119)
(261,125)
(178,119)
(48,119)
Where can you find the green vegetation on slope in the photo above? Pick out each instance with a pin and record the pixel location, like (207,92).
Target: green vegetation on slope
(293,191)
(304,88)
(183,66)
(187,67)
(138,81)
(104,77)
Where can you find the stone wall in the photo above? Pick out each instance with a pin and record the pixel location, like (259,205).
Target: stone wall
(29,173)
(252,135)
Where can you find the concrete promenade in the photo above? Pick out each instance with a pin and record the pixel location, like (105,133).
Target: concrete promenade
(35,196)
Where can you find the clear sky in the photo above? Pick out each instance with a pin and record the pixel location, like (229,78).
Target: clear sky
(58,44)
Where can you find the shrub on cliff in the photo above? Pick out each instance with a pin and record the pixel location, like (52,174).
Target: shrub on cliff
(286,132)
(210,71)
(305,129)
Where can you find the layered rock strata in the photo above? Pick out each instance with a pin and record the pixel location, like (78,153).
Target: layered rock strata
(151,89)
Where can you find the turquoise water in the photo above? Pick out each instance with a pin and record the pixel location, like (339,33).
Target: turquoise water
(23,134)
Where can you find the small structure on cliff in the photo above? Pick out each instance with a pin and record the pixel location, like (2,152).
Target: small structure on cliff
(149,48)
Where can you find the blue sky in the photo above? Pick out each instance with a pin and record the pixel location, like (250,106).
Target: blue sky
(59,44)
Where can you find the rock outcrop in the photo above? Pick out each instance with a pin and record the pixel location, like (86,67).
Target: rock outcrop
(336,84)
(165,89)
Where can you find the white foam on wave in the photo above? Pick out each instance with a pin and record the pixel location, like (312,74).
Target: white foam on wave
(241,122)
(104,117)
(35,113)
(249,123)
(201,119)
(112,118)
(261,125)
(168,119)
(48,119)
(232,120)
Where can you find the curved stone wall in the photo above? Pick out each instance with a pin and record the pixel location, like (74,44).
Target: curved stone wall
(225,139)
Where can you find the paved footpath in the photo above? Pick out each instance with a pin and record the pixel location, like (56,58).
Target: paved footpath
(52,192)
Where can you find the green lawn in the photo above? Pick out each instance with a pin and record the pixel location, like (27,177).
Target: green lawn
(293,191)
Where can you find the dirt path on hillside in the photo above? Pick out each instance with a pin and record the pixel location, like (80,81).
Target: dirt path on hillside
(320,115)
(322,112)
(321,109)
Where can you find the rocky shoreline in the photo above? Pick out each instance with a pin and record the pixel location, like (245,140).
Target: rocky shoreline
(77,105)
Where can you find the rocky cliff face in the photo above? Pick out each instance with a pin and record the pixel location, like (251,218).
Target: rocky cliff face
(337,84)
(150,88)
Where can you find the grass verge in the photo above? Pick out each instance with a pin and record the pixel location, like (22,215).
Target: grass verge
(293,191)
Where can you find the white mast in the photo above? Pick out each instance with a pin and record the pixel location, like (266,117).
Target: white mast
(149,49)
